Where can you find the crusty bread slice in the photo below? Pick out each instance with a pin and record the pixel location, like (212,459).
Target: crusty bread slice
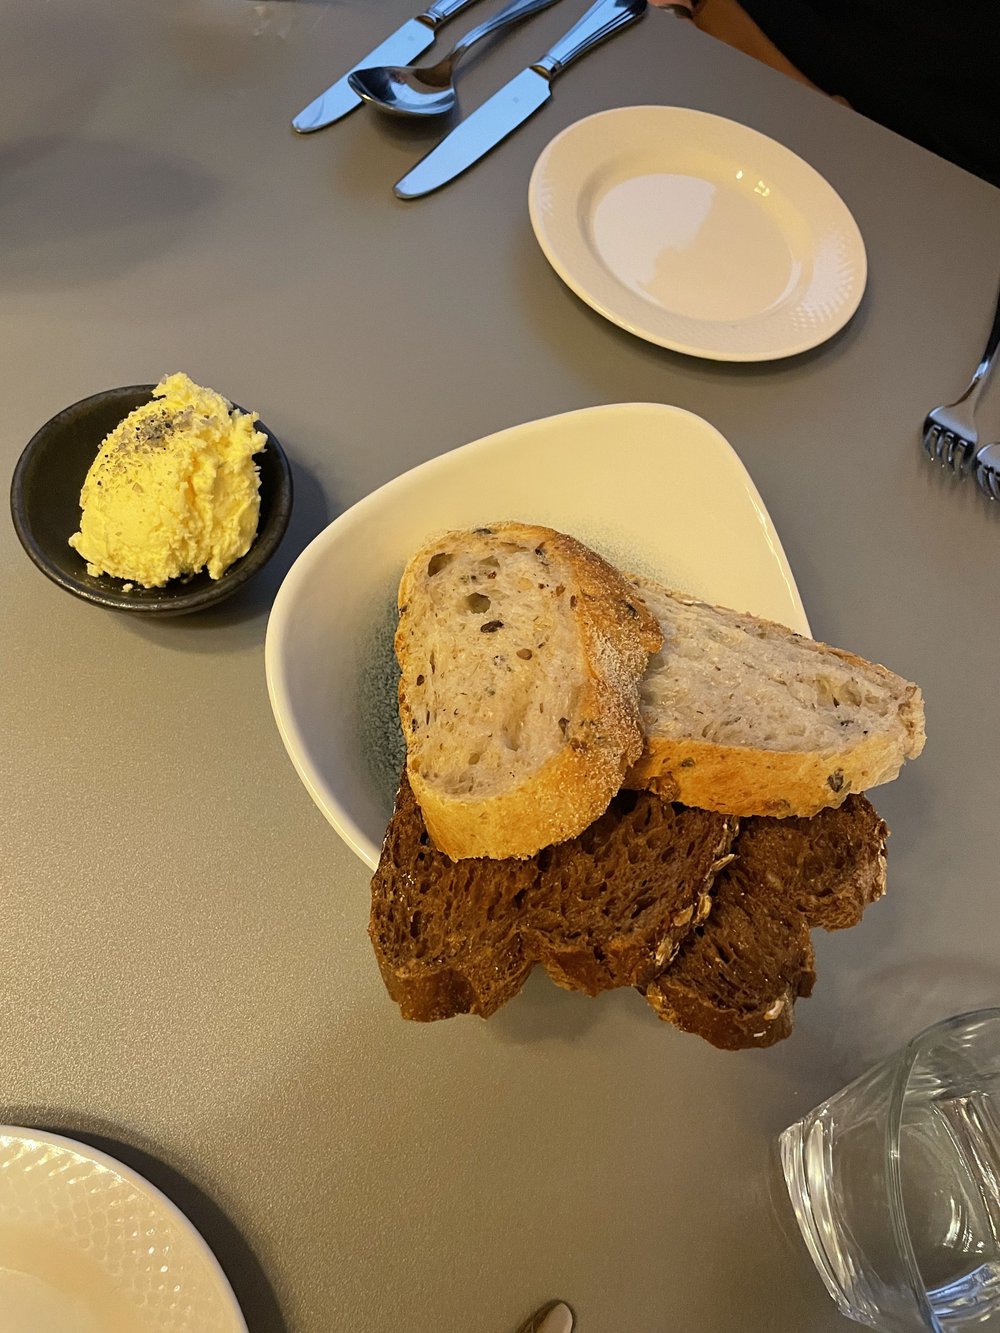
(744,716)
(521,653)
(609,908)
(737,976)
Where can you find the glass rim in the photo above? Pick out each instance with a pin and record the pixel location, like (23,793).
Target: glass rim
(906,1059)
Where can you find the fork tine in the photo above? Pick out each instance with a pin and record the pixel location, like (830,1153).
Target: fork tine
(944,443)
(986,480)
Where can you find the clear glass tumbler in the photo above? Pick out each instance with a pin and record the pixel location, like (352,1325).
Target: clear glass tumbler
(895,1183)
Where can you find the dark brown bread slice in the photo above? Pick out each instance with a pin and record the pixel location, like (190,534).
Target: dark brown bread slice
(606,909)
(445,932)
(737,977)
(616,902)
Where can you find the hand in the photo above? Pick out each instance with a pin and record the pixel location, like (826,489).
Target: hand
(684,9)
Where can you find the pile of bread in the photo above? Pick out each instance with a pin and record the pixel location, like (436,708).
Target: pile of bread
(625,785)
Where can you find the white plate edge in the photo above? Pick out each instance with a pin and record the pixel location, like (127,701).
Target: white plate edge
(146,1187)
(349,832)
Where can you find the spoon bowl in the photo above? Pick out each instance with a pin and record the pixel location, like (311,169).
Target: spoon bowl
(404,90)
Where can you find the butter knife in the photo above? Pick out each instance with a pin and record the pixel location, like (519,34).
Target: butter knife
(501,114)
(402,48)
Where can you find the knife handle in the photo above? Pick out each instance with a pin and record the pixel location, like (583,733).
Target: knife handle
(600,21)
(511,13)
(443,9)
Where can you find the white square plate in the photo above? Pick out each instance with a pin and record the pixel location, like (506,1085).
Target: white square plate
(654,489)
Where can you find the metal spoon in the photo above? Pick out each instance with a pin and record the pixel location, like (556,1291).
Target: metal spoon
(428,91)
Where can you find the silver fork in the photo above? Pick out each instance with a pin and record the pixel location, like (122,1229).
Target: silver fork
(950,434)
(986,469)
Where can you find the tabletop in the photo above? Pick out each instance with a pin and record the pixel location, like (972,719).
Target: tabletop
(185,977)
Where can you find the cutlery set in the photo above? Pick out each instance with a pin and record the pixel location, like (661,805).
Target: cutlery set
(388,79)
(951,434)
(410,91)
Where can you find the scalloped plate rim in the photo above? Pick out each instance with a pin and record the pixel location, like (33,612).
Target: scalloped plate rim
(157,1199)
(604,292)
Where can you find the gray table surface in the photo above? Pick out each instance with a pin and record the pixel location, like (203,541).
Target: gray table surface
(184,971)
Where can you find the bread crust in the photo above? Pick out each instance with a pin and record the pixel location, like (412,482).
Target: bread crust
(425,996)
(572,790)
(738,780)
(745,780)
(686,1008)
(575,785)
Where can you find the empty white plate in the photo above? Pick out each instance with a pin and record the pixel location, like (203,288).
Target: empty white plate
(89,1246)
(697,233)
(654,489)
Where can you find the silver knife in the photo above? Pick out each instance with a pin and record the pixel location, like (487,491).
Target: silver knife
(405,44)
(502,113)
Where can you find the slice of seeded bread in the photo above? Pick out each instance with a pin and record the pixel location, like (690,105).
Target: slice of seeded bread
(521,653)
(445,932)
(737,976)
(744,716)
(607,909)
(616,902)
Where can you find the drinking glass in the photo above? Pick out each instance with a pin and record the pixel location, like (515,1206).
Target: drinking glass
(895,1183)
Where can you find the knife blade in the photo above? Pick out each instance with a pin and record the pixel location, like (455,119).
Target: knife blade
(500,115)
(402,48)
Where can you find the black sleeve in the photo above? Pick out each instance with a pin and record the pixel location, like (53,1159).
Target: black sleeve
(927,70)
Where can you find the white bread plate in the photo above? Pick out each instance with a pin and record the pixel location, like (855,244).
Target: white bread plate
(87,1245)
(654,489)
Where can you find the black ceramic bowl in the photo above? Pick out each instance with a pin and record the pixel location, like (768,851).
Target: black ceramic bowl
(45,507)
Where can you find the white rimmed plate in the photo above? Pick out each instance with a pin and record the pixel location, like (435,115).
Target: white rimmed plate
(697,233)
(89,1246)
(655,489)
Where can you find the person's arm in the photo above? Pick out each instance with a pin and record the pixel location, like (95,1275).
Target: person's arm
(730,23)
